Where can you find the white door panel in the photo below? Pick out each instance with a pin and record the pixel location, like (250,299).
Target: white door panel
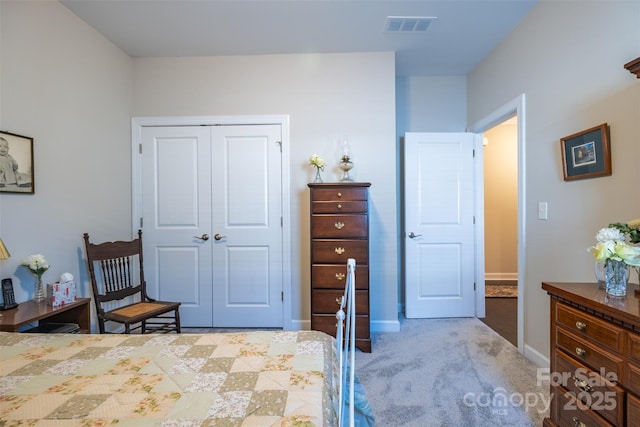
(439,263)
(246,175)
(176,193)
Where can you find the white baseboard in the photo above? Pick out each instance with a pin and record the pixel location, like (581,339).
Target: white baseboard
(536,357)
(385,326)
(501,276)
(300,325)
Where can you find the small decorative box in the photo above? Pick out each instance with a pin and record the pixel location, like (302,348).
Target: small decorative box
(61,293)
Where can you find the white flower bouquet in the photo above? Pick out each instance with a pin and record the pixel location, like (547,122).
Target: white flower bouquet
(316,161)
(36,264)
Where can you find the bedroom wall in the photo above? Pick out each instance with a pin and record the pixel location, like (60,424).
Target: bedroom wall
(578,84)
(68,88)
(326,96)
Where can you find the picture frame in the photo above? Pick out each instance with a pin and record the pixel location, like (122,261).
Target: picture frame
(586,154)
(16,164)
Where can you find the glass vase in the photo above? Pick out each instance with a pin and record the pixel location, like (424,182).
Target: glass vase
(318,177)
(616,276)
(600,274)
(38,294)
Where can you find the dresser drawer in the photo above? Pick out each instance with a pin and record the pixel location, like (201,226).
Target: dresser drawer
(571,413)
(634,347)
(339,251)
(588,353)
(342,206)
(334,276)
(584,324)
(338,194)
(328,324)
(325,301)
(339,226)
(599,394)
(632,378)
(633,411)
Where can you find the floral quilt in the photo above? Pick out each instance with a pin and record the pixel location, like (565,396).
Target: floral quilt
(270,378)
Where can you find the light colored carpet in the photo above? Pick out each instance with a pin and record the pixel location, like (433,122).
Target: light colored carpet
(450,372)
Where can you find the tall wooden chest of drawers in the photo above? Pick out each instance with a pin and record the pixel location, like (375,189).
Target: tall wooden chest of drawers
(339,231)
(595,356)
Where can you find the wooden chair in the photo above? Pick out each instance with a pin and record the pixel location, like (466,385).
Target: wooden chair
(120,291)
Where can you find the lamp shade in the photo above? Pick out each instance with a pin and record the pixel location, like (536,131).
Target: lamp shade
(4,252)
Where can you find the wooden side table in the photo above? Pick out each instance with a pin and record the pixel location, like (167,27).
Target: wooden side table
(28,312)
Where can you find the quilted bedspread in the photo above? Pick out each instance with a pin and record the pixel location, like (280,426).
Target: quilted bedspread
(239,379)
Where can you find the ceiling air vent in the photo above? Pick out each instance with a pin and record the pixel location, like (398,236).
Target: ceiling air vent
(407,24)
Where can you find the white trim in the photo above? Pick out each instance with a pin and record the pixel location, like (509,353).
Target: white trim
(385,326)
(478,209)
(538,359)
(137,123)
(500,276)
(514,107)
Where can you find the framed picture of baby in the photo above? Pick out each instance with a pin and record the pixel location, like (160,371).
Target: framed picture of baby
(16,163)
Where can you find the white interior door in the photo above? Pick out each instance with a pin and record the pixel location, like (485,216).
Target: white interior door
(176,206)
(439,225)
(247,212)
(211,213)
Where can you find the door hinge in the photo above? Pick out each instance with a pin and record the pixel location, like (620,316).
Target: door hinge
(139,148)
(140,222)
(282,296)
(474,286)
(281,222)
(474,219)
(474,152)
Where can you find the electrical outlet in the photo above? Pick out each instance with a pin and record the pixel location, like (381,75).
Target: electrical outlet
(542,210)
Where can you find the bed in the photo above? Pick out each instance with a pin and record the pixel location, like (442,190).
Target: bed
(258,378)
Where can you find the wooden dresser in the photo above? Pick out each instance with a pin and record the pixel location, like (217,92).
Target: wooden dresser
(595,356)
(339,231)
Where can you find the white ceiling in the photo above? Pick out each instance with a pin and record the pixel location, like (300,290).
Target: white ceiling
(463,33)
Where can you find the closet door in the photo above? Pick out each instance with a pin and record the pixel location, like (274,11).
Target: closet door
(247,215)
(176,207)
(212,208)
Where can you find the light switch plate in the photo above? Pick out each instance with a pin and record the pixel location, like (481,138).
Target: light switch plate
(542,210)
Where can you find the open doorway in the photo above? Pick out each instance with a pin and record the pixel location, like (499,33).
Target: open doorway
(500,154)
(514,108)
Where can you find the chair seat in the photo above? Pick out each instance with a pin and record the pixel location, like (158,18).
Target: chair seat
(140,311)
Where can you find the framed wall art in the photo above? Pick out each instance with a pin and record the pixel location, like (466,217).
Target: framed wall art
(16,163)
(586,154)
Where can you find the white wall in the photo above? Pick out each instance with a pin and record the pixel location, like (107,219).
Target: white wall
(326,96)
(68,88)
(567,57)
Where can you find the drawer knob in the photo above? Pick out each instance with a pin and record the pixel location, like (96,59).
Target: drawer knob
(578,423)
(581,326)
(581,351)
(582,385)
(340,276)
(339,225)
(339,206)
(339,194)
(339,251)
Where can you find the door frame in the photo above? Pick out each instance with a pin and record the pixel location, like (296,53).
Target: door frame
(515,107)
(137,123)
